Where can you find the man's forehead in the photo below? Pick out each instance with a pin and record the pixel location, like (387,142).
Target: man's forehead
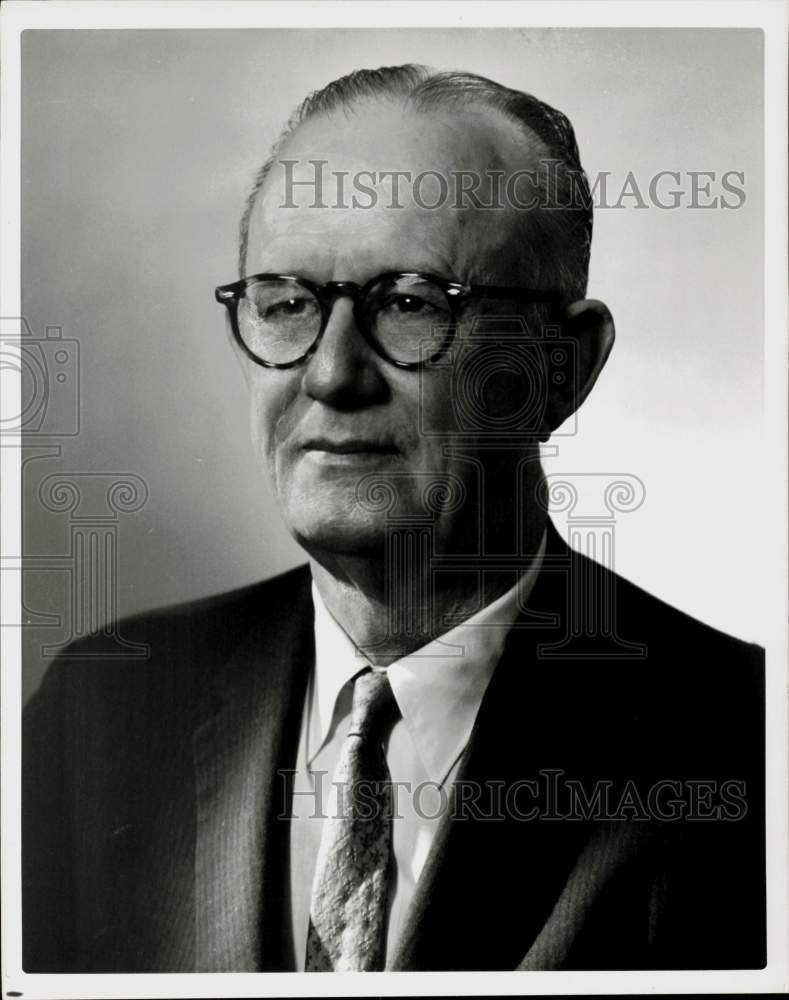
(375,139)
(388,169)
(411,138)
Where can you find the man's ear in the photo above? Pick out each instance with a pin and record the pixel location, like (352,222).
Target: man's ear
(590,327)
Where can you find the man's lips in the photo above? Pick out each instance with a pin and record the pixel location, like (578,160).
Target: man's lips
(349,446)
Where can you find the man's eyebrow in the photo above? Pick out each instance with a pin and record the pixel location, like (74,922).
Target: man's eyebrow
(437,265)
(438,270)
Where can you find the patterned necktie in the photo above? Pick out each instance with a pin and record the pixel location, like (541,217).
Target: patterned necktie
(349,892)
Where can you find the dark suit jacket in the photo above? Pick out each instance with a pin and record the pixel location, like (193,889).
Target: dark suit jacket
(152,794)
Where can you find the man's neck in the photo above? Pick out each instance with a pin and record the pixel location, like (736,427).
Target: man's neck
(389,615)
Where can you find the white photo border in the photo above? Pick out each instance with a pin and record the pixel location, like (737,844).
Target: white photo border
(771,17)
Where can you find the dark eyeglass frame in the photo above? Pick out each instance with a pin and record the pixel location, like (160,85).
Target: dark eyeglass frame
(455,292)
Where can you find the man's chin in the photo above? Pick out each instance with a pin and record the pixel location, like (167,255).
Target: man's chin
(340,538)
(333,521)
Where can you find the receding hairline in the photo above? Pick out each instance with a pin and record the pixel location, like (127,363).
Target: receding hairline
(530,119)
(511,147)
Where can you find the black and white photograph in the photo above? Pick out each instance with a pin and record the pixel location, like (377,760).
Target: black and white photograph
(394,545)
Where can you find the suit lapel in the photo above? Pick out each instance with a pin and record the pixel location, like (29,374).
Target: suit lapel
(489,885)
(248,736)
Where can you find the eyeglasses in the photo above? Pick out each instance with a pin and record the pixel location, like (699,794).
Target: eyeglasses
(409,319)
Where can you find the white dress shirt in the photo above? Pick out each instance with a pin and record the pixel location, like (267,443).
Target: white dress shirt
(438,689)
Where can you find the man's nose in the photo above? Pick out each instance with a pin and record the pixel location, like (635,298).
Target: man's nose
(344,372)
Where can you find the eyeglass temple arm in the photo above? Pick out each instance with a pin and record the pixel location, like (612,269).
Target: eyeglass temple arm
(522,294)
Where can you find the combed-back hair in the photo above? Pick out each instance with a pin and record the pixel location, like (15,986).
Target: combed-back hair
(562,236)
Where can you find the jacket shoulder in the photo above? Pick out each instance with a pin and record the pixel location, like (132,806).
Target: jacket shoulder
(177,644)
(639,603)
(677,686)
(700,690)
(266,598)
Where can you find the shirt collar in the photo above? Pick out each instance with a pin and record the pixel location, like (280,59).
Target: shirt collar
(438,688)
(337,660)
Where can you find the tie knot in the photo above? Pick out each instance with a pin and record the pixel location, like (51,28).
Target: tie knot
(374,705)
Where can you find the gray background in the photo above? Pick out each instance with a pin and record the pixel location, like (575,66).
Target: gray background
(138,148)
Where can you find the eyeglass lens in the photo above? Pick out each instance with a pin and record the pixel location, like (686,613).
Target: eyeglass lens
(406,316)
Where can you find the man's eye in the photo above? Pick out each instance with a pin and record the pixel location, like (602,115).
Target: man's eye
(287,309)
(409,304)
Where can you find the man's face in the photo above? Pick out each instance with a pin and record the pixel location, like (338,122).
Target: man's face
(331,428)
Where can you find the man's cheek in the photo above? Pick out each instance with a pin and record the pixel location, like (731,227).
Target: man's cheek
(271,411)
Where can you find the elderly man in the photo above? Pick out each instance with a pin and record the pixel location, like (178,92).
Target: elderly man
(394,758)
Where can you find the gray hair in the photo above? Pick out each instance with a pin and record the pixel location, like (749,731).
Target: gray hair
(563,232)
